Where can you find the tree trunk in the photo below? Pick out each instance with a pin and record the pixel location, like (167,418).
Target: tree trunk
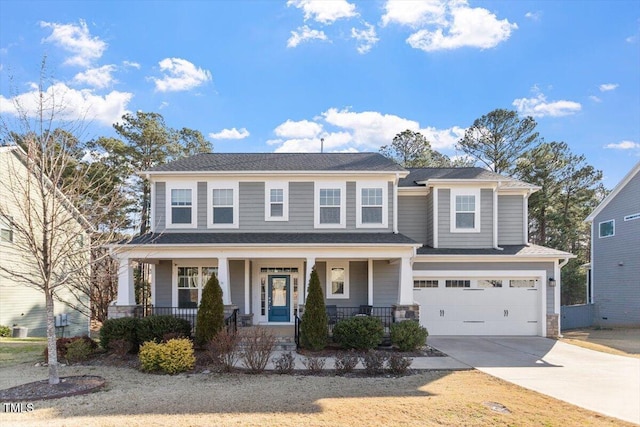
(52,351)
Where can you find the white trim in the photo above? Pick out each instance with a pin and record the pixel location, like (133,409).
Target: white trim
(247,286)
(153,284)
(525,219)
(600,236)
(222,185)
(436,193)
(200,263)
(628,177)
(394,188)
(321,185)
(370,281)
(152,207)
(453,193)
(269,173)
(273,261)
(331,264)
(276,185)
(632,216)
(181,185)
(494,195)
(384,186)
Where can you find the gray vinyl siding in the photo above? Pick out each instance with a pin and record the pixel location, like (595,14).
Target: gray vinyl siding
(163,279)
(203,203)
(351,205)
(616,287)
(386,278)
(390,206)
(412,217)
(429,217)
(482,239)
(510,220)
(493,266)
(160,206)
(236,282)
(357,284)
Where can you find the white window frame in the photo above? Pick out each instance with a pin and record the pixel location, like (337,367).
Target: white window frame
(223,185)
(337,264)
(200,265)
(5,225)
(454,192)
(182,185)
(342,186)
(631,217)
(273,185)
(613,222)
(385,203)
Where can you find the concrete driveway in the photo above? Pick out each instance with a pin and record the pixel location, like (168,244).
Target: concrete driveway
(601,382)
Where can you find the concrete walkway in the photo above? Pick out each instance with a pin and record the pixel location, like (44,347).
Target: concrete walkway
(600,382)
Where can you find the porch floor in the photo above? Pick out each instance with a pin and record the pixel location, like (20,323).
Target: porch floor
(280,331)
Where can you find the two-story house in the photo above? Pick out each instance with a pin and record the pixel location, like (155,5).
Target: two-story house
(447,246)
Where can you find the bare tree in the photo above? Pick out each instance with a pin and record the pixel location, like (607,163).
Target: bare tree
(50,200)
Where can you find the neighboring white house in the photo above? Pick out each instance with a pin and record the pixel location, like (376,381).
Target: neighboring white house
(615,254)
(20,305)
(446,245)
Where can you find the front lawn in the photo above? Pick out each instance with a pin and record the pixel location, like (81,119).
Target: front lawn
(21,350)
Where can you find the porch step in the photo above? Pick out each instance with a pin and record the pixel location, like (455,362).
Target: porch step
(282,343)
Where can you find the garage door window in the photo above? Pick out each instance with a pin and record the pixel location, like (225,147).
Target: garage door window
(457,283)
(522,283)
(417,284)
(489,283)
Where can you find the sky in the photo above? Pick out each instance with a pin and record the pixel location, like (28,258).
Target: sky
(265,76)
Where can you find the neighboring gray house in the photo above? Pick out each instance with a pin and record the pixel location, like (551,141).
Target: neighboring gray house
(447,245)
(615,254)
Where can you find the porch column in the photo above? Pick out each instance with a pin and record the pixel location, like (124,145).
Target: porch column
(247,279)
(126,288)
(405,285)
(223,279)
(370,281)
(311,261)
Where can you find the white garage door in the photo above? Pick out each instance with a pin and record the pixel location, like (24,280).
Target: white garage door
(480,306)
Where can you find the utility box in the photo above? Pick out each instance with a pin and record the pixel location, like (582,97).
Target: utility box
(20,332)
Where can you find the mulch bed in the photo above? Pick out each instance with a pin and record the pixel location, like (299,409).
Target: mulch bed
(42,390)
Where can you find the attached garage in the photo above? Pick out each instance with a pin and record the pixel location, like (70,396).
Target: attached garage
(481,302)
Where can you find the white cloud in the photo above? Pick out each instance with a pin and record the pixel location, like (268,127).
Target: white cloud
(65,103)
(100,77)
(624,145)
(595,98)
(414,13)
(606,87)
(77,40)
(180,75)
(304,34)
(540,107)
(325,12)
(366,38)
(299,129)
(163,104)
(534,16)
(131,64)
(443,139)
(232,133)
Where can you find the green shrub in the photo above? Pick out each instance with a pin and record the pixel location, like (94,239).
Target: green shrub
(119,329)
(79,350)
(62,345)
(313,330)
(172,357)
(408,335)
(360,332)
(210,318)
(5,331)
(158,328)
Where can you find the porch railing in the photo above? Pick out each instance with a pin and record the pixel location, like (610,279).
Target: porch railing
(230,321)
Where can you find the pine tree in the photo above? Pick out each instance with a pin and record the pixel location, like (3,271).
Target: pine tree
(210,318)
(313,330)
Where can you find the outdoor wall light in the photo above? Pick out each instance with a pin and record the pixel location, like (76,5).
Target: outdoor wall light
(552,282)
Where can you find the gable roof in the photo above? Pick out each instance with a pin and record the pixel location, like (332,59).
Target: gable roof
(628,177)
(278,162)
(419,176)
(530,250)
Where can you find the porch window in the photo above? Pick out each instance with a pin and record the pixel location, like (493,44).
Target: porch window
(276,201)
(465,210)
(607,228)
(181,205)
(6,231)
(338,280)
(191,281)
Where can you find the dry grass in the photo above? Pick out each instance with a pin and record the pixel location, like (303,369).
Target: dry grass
(21,350)
(426,399)
(618,341)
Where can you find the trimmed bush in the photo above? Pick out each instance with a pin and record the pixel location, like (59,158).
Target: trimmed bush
(159,328)
(87,347)
(258,346)
(360,332)
(408,335)
(5,331)
(223,350)
(314,364)
(346,362)
(373,361)
(398,364)
(120,347)
(172,357)
(210,318)
(314,330)
(119,329)
(285,364)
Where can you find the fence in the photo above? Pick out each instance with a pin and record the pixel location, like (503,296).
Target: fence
(576,316)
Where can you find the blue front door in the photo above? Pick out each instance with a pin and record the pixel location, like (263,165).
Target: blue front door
(278,298)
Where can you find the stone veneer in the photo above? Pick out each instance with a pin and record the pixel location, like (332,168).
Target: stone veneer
(553,331)
(119,311)
(405,312)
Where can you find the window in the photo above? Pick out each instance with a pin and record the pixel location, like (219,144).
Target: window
(191,281)
(6,231)
(489,283)
(223,205)
(372,202)
(276,201)
(330,205)
(338,280)
(181,203)
(607,228)
(425,283)
(181,206)
(457,283)
(522,283)
(632,217)
(465,210)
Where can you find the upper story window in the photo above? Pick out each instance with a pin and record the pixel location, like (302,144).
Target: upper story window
(372,200)
(6,231)
(607,228)
(223,207)
(330,205)
(338,280)
(465,210)
(181,205)
(276,201)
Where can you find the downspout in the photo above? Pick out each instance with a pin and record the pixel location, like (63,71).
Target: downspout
(495,217)
(395,204)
